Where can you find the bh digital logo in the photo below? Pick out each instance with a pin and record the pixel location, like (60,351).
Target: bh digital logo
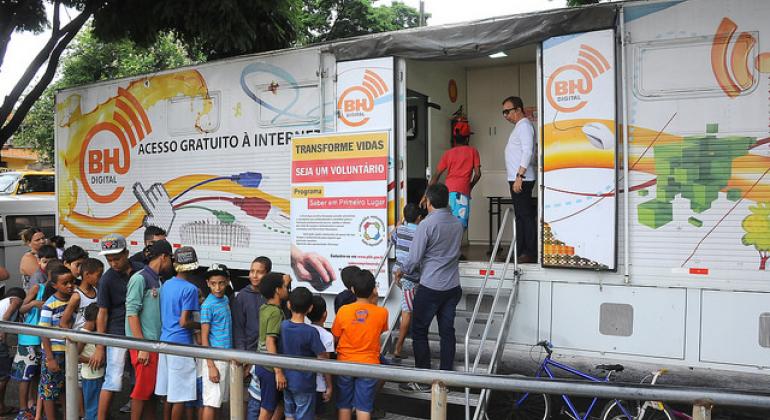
(568,85)
(732,57)
(356,102)
(106,150)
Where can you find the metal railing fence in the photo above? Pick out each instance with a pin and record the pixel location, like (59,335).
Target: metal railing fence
(440,379)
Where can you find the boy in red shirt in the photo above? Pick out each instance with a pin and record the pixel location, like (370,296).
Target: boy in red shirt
(463,168)
(357,328)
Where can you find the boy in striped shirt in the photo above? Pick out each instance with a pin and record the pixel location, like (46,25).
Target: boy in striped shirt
(52,372)
(408,284)
(216,331)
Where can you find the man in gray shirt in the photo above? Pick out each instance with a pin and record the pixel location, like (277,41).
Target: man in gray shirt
(435,252)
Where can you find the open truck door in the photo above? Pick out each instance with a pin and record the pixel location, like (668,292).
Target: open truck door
(579,151)
(371,98)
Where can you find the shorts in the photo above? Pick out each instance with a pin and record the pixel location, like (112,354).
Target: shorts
(267,387)
(407,295)
(198,401)
(52,383)
(355,393)
(320,405)
(460,204)
(91,390)
(144,376)
(177,378)
(26,363)
(299,405)
(6,362)
(252,409)
(113,371)
(216,393)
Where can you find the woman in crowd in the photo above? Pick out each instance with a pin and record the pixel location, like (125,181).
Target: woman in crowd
(34,238)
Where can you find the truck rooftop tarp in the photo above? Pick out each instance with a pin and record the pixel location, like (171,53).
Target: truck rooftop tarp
(468,40)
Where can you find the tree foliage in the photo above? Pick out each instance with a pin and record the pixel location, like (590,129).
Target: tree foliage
(325,20)
(576,3)
(218,28)
(89,60)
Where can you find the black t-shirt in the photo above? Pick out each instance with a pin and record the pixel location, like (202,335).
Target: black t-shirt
(343,298)
(139,257)
(111,294)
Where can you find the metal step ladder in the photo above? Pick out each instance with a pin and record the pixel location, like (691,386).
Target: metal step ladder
(498,345)
(488,317)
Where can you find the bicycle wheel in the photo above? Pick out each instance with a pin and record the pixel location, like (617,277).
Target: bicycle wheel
(630,411)
(520,406)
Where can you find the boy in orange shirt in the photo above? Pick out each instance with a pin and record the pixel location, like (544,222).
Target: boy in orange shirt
(357,329)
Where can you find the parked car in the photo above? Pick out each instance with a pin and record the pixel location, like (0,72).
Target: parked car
(27,182)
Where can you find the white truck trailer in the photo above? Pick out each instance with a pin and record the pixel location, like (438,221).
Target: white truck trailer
(653,158)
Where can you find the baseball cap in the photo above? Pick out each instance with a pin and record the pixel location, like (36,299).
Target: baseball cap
(462,128)
(217,269)
(113,244)
(157,248)
(185,259)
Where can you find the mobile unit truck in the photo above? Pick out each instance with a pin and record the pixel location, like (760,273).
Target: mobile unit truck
(653,155)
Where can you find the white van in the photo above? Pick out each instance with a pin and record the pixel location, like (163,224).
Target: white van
(16,214)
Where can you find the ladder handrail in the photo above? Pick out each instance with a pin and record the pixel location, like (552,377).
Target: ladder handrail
(384,341)
(383,260)
(488,324)
(502,334)
(479,298)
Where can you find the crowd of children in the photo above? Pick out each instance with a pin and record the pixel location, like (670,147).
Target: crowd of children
(159,296)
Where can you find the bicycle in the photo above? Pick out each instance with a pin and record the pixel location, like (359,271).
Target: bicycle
(528,406)
(647,410)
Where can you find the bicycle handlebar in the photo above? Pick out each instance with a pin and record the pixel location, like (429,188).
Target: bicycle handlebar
(546,346)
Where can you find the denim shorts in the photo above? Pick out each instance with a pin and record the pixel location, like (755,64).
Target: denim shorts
(113,373)
(299,405)
(355,393)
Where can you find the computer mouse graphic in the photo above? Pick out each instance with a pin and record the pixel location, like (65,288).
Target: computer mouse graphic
(599,135)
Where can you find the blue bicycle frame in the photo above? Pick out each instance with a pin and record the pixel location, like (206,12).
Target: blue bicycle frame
(545,367)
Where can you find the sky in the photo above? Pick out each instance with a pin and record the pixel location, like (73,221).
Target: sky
(25,45)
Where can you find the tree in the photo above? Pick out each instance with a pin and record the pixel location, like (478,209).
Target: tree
(88,60)
(218,28)
(325,20)
(757,227)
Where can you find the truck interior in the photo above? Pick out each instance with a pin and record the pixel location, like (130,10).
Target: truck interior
(439,90)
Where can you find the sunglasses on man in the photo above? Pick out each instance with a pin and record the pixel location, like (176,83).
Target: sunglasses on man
(507,111)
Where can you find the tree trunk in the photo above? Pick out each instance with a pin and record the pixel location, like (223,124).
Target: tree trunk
(10,118)
(763,257)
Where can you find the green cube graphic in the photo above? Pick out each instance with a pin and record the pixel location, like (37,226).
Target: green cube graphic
(668,151)
(697,169)
(720,170)
(702,196)
(643,193)
(666,191)
(734,194)
(655,213)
